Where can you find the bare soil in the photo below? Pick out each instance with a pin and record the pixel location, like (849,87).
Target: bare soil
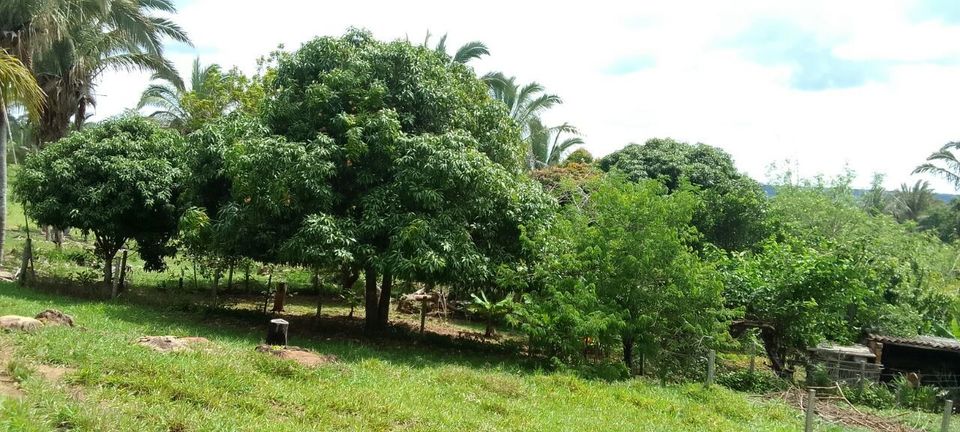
(300,355)
(836,409)
(171,343)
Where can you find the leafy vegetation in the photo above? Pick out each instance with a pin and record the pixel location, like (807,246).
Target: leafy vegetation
(362,170)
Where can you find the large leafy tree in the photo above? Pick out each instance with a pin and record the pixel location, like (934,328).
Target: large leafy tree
(732,214)
(621,268)
(835,272)
(17,87)
(426,180)
(120,180)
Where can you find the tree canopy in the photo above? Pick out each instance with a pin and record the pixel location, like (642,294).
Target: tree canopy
(732,212)
(120,180)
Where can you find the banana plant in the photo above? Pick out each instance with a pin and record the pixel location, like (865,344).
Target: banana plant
(490,310)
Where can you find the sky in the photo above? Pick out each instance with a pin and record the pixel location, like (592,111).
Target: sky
(866,85)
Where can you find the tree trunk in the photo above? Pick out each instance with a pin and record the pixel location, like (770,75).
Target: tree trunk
(280,297)
(628,353)
(230,278)
(277,332)
(383,310)
(370,320)
(489,332)
(108,273)
(216,284)
(246,278)
(122,283)
(316,287)
(4,132)
(775,352)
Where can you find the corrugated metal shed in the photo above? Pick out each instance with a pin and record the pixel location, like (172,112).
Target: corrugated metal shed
(928,342)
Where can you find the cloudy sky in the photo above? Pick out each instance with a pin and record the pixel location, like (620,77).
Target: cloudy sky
(871,85)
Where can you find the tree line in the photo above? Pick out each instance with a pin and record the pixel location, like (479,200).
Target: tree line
(371,163)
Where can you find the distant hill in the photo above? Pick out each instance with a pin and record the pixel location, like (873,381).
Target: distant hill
(771,191)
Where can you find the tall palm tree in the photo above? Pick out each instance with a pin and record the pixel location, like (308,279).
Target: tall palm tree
(549,145)
(167,100)
(525,102)
(17,86)
(911,202)
(943,163)
(469,51)
(68,44)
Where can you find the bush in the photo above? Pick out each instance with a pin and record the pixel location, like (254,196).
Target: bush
(873,395)
(925,398)
(756,382)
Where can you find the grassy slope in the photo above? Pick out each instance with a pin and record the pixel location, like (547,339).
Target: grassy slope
(121,386)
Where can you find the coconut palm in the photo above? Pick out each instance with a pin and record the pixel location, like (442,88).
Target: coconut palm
(17,86)
(68,44)
(525,102)
(167,100)
(943,163)
(469,51)
(911,202)
(549,145)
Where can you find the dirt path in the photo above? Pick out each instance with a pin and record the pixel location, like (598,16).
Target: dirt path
(838,410)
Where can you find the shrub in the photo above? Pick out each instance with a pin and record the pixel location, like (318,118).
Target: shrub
(756,382)
(873,395)
(925,398)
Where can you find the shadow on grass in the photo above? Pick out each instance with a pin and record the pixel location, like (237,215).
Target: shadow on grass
(341,336)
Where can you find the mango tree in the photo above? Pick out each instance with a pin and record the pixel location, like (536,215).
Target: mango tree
(120,180)
(426,181)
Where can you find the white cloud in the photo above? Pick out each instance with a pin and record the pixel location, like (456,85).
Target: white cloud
(698,88)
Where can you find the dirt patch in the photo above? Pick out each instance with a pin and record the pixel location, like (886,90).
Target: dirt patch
(171,343)
(836,409)
(8,386)
(300,355)
(53,373)
(55,317)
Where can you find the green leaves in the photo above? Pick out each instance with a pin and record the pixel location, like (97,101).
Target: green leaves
(621,268)
(121,180)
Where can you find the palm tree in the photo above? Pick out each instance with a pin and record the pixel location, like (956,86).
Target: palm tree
(17,86)
(911,202)
(943,163)
(167,99)
(469,51)
(68,44)
(546,147)
(524,103)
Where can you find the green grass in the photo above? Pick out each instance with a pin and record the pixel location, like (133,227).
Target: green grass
(119,386)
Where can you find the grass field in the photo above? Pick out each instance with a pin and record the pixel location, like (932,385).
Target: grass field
(109,383)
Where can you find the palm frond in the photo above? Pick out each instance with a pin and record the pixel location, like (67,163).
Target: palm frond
(470,51)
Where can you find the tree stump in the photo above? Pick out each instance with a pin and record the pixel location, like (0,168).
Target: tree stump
(277,332)
(280,297)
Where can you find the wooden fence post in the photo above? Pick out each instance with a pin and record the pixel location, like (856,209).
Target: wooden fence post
(811,410)
(711,366)
(423,315)
(947,412)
